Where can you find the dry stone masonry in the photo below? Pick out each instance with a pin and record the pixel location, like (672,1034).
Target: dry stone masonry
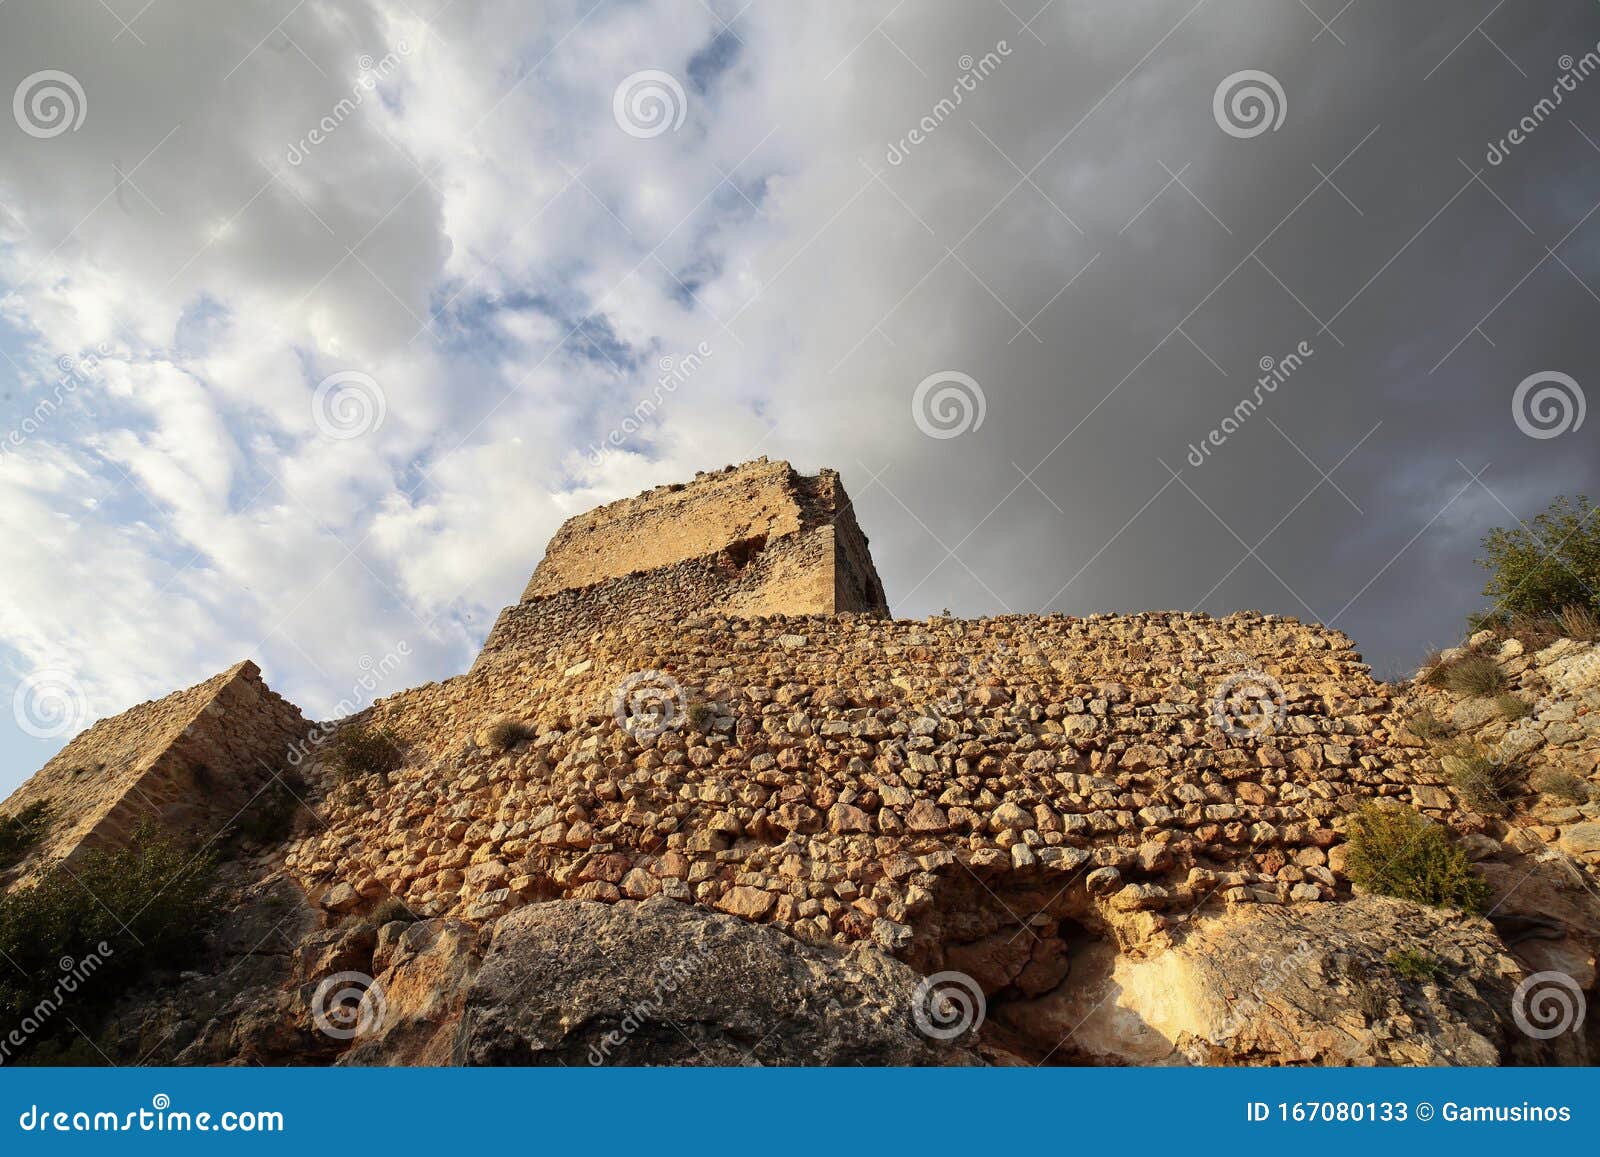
(189,761)
(700,717)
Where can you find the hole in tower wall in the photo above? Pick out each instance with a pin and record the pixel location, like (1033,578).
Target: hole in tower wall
(738,554)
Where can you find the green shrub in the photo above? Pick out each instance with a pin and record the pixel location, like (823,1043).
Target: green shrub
(20,832)
(103,923)
(1562,785)
(390,909)
(1513,707)
(1469,673)
(1397,851)
(360,750)
(1483,781)
(701,718)
(1414,964)
(1427,726)
(1546,565)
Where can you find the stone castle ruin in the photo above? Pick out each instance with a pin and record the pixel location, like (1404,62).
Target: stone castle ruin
(712,707)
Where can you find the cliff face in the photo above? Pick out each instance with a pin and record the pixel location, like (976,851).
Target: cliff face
(1119,832)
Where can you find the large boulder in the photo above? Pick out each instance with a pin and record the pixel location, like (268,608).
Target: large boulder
(659,983)
(1372,981)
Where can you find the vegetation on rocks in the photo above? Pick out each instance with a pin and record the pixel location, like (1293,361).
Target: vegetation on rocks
(77,939)
(1562,785)
(18,833)
(1485,782)
(1414,964)
(390,909)
(360,751)
(504,732)
(1427,726)
(1469,673)
(1396,851)
(1513,707)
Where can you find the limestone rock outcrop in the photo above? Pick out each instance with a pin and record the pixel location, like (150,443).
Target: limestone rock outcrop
(655,982)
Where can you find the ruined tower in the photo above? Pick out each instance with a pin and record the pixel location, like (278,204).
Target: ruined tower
(753,539)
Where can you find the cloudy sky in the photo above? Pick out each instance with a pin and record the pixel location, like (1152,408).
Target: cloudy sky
(318,318)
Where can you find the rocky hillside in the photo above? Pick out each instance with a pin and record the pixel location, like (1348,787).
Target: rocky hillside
(846,839)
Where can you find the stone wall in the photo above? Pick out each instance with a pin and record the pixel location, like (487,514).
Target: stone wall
(755,539)
(672,524)
(851,778)
(190,761)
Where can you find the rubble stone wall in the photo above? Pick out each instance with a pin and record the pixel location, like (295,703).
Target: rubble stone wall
(756,539)
(852,778)
(672,524)
(190,761)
